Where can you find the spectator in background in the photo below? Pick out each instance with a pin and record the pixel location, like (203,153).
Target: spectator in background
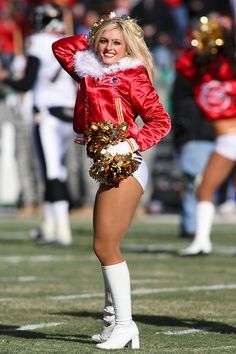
(179,12)
(210,68)
(157,24)
(78,11)
(122,7)
(198,8)
(10,37)
(86,22)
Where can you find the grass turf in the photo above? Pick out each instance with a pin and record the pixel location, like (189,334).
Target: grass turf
(175,304)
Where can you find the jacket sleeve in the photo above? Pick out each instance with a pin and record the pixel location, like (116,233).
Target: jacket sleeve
(157,122)
(65,50)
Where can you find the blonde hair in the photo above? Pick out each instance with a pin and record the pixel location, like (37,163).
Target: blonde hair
(133,37)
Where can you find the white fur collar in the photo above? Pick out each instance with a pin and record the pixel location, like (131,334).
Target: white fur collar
(87,64)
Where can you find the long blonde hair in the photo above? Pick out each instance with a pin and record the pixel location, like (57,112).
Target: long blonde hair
(133,37)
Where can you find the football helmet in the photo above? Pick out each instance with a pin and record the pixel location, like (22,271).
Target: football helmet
(48,17)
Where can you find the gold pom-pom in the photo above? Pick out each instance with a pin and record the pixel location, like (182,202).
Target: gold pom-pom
(102,134)
(111,170)
(108,169)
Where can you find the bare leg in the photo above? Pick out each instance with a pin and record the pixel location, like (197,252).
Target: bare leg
(113,212)
(217,170)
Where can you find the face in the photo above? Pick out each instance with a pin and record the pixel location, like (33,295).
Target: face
(111,46)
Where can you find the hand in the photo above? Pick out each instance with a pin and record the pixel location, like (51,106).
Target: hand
(121,148)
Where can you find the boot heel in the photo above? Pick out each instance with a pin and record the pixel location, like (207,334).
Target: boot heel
(134,343)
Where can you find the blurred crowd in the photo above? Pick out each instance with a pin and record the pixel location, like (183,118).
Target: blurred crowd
(168,26)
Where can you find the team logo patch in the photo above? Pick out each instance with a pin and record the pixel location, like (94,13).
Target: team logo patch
(113,80)
(214,97)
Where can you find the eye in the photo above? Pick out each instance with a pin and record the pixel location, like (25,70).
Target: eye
(117,43)
(102,40)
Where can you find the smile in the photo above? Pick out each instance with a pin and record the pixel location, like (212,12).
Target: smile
(109,55)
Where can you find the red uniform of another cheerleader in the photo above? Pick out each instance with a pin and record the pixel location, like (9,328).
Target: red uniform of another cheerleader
(214,88)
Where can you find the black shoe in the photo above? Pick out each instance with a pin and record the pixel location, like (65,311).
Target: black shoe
(42,241)
(35,234)
(185,234)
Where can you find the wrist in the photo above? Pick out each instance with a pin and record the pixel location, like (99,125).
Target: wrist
(132,144)
(79,139)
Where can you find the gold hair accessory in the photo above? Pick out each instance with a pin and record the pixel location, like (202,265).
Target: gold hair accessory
(112,15)
(209,36)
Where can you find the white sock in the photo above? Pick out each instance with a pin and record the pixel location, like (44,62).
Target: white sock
(61,210)
(48,211)
(109,312)
(62,219)
(204,219)
(118,279)
(48,223)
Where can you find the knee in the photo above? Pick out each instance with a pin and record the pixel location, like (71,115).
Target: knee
(205,194)
(99,249)
(104,250)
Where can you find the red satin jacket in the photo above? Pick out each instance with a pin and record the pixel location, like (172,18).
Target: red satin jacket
(214,88)
(117,93)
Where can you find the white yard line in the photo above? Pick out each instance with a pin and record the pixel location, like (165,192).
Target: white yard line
(139,291)
(38,259)
(30,327)
(76,296)
(175,218)
(143,281)
(165,249)
(173,248)
(13,235)
(3,299)
(45,258)
(144,291)
(185,331)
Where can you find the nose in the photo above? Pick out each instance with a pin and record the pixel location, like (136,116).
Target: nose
(109,45)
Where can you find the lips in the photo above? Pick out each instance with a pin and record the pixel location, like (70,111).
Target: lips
(109,55)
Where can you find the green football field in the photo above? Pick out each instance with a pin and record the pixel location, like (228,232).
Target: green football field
(52,297)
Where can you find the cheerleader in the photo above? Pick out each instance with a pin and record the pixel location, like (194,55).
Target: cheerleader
(114,70)
(210,67)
